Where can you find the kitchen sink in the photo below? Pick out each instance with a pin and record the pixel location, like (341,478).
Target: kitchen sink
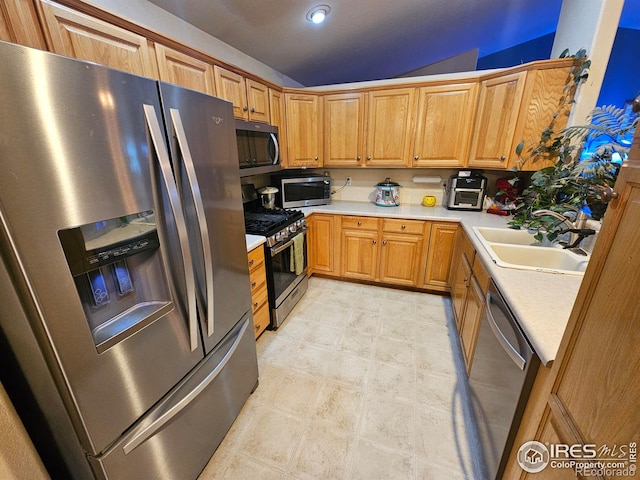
(519,249)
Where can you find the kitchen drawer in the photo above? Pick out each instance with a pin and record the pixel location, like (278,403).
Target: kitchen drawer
(257,277)
(256,258)
(398,225)
(261,319)
(362,223)
(259,298)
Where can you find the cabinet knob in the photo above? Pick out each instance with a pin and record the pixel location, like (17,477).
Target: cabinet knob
(251,263)
(245,108)
(403,227)
(255,304)
(368,157)
(374,242)
(384,242)
(359,223)
(358,158)
(253,284)
(502,158)
(253,110)
(257,327)
(315,158)
(416,157)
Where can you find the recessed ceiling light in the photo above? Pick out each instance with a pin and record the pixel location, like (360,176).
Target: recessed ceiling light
(318,14)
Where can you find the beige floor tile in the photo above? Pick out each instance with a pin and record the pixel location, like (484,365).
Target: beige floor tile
(270,436)
(372,461)
(228,465)
(323,453)
(389,422)
(392,381)
(360,382)
(397,352)
(277,384)
(441,437)
(339,406)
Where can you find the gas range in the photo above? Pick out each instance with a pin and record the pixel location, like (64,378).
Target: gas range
(276,224)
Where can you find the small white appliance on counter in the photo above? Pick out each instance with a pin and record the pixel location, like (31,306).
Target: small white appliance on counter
(465,191)
(387,193)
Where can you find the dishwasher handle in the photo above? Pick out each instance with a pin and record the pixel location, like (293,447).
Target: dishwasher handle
(513,353)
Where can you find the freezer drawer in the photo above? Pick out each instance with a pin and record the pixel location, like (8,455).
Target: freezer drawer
(190,422)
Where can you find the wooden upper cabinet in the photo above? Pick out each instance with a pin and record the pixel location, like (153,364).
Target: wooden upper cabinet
(443,125)
(250,98)
(344,129)
(180,69)
(19,24)
(389,124)
(496,118)
(80,36)
(231,86)
(258,99)
(276,108)
(304,130)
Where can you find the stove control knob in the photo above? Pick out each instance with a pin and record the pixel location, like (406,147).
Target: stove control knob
(292,228)
(281,235)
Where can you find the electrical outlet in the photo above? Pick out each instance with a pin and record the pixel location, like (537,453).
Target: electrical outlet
(348,180)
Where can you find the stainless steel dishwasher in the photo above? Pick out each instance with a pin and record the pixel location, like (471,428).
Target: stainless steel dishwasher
(502,373)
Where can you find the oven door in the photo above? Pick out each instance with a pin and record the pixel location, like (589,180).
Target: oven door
(287,271)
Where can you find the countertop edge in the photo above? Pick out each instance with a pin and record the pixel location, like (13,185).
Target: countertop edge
(254,241)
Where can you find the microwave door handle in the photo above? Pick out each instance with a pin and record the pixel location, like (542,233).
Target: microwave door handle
(274,139)
(174,201)
(194,188)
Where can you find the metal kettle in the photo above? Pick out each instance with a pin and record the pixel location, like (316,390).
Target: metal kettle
(268,197)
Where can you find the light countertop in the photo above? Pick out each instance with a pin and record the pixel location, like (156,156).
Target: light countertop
(541,302)
(254,241)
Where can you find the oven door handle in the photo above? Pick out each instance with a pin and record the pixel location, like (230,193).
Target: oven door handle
(277,250)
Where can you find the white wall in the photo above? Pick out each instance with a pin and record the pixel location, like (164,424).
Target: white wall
(154,18)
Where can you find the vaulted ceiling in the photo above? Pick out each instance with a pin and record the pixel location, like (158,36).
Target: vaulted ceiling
(366,39)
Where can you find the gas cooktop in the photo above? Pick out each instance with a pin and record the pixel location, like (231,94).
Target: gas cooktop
(276,223)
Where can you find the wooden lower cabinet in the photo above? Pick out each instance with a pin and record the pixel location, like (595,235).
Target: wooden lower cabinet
(439,253)
(259,293)
(359,254)
(400,259)
(322,236)
(469,283)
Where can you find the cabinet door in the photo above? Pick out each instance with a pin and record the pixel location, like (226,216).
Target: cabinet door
(258,101)
(459,286)
(304,130)
(80,36)
(389,127)
(498,109)
(276,110)
(438,263)
(19,24)
(359,254)
(472,315)
(180,69)
(322,234)
(400,258)
(344,117)
(232,87)
(443,127)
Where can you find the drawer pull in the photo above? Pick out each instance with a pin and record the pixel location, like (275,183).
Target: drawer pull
(374,242)
(253,284)
(359,223)
(255,304)
(251,262)
(403,227)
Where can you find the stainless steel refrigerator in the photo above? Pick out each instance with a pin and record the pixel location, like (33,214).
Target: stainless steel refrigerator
(126,328)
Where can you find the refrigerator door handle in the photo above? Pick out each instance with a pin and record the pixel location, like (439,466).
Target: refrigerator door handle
(178,128)
(174,201)
(167,412)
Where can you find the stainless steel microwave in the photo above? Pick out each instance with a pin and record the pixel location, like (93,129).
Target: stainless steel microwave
(302,189)
(258,148)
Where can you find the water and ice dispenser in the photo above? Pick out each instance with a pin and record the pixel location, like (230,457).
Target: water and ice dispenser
(119,274)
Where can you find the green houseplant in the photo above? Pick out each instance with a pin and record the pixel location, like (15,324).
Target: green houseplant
(586,160)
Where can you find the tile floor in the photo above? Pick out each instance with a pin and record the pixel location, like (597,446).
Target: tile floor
(360,382)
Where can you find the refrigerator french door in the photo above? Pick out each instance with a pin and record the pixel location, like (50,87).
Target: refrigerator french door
(118,279)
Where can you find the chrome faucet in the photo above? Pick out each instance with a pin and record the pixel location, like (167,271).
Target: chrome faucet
(576,229)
